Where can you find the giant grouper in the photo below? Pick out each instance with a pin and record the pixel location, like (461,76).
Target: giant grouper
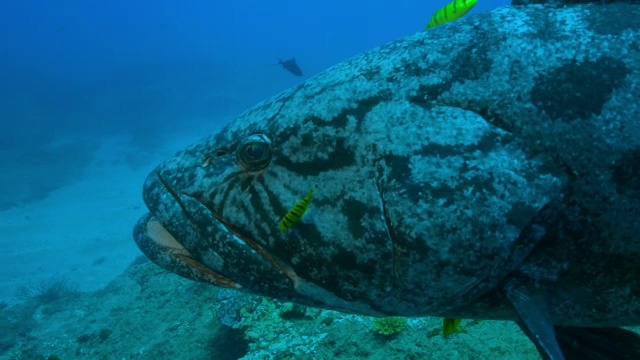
(487,168)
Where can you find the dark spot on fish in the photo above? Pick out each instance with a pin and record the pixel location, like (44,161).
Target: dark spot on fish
(476,58)
(339,157)
(578,90)
(346,257)
(431,149)
(490,141)
(355,210)
(413,69)
(362,108)
(407,68)
(443,192)
(307,140)
(426,95)
(400,167)
(626,173)
(547,28)
(349,283)
(520,214)
(600,22)
(336,122)
(289,132)
(483,185)
(371,73)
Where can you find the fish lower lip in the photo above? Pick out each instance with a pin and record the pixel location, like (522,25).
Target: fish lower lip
(177,257)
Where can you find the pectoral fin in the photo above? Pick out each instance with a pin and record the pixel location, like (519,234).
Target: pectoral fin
(567,342)
(534,318)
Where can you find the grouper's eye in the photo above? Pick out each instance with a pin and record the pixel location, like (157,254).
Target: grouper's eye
(254,152)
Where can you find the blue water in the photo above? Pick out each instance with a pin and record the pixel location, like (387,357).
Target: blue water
(96,67)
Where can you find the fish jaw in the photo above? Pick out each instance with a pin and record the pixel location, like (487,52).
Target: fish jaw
(184,234)
(157,243)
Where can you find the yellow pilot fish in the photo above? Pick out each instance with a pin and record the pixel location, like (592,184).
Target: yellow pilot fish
(452,11)
(294,215)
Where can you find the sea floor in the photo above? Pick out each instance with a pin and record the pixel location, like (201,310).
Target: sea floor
(147,313)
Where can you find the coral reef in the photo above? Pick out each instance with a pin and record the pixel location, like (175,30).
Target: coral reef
(147,313)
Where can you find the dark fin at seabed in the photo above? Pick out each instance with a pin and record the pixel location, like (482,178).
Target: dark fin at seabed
(534,318)
(598,343)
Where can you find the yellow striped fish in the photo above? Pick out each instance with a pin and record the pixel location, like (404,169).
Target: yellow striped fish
(452,11)
(294,215)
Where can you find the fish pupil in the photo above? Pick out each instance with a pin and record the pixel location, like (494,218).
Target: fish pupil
(255,151)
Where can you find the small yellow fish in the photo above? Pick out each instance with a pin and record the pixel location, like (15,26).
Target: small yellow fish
(294,215)
(452,11)
(450,326)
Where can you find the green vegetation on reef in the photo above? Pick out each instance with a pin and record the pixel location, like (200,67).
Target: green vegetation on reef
(47,292)
(390,325)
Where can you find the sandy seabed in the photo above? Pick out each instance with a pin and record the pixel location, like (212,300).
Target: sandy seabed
(80,232)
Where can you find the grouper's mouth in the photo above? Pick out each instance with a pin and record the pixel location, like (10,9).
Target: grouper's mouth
(157,243)
(185,235)
(163,238)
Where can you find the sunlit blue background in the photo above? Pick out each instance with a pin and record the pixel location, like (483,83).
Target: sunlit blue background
(148,67)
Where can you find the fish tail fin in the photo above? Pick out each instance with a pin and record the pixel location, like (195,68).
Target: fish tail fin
(598,343)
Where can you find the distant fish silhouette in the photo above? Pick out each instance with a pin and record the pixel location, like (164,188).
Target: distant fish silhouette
(291,66)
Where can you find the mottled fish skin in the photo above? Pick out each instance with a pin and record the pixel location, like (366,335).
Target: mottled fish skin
(504,144)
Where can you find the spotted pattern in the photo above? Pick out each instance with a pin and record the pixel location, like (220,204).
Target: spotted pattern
(446,162)
(579,90)
(603,23)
